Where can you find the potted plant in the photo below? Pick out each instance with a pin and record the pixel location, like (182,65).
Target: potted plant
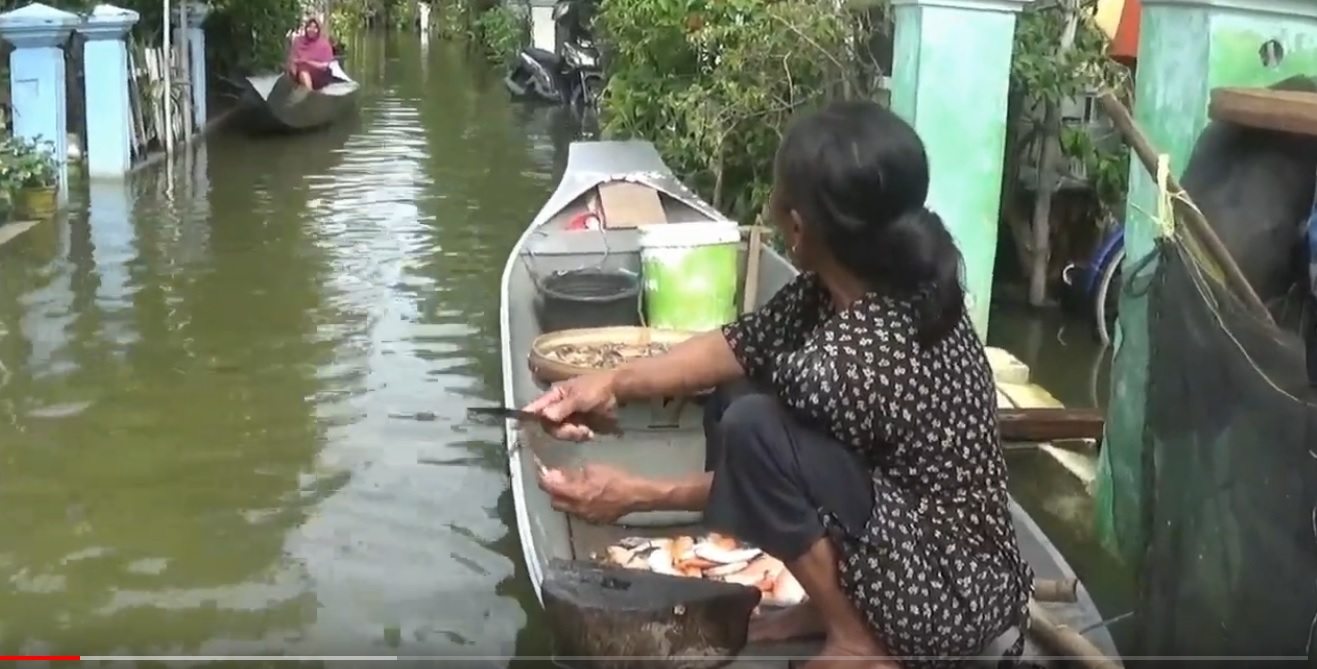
(30,174)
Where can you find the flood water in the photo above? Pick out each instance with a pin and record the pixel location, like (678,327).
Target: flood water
(199,448)
(1064,357)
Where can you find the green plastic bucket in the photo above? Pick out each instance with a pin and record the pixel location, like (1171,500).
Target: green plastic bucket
(689,271)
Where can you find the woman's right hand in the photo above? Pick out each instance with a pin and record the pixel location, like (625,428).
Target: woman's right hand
(576,409)
(596,493)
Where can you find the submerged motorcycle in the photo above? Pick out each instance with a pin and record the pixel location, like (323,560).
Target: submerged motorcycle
(1097,282)
(574,78)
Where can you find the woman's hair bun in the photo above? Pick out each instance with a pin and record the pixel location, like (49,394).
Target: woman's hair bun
(858,176)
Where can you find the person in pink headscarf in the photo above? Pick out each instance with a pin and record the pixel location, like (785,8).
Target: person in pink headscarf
(309,57)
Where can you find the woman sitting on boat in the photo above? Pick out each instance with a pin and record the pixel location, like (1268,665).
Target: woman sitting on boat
(310,56)
(853,432)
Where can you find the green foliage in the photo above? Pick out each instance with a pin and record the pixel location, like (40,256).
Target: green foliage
(352,15)
(501,31)
(1107,164)
(1041,73)
(1047,75)
(498,28)
(247,36)
(242,36)
(452,19)
(713,82)
(25,163)
(401,13)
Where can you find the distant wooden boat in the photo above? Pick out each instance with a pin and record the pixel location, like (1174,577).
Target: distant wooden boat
(556,546)
(277,103)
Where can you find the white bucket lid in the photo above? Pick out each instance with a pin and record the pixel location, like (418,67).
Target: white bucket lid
(704,233)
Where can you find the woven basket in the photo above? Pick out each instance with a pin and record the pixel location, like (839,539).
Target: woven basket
(549,370)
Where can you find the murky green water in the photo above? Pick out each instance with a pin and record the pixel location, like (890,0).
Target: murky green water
(197,454)
(196,449)
(1065,358)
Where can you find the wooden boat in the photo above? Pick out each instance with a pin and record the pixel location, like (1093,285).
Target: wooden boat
(277,103)
(664,448)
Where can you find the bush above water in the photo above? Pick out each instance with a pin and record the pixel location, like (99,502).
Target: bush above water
(713,83)
(502,31)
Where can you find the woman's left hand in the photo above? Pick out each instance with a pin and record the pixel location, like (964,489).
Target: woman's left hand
(597,493)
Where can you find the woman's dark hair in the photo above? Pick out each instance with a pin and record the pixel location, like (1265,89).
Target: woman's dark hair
(858,176)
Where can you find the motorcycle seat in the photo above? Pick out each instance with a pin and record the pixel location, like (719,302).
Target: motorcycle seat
(542,55)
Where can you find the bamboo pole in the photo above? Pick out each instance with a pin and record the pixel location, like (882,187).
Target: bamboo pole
(185,68)
(169,84)
(754,249)
(1193,219)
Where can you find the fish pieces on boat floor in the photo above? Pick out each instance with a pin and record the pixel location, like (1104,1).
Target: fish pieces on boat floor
(712,557)
(593,541)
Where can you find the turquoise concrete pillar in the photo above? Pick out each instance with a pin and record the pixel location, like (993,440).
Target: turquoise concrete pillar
(196,38)
(1186,48)
(109,126)
(951,66)
(36,78)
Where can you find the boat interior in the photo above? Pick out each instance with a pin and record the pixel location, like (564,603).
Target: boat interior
(662,438)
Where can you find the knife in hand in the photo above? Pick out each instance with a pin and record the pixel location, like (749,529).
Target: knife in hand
(597,424)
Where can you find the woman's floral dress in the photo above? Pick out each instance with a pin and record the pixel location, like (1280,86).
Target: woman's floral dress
(936,570)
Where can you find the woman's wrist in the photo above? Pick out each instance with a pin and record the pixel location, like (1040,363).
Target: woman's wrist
(649,495)
(621,384)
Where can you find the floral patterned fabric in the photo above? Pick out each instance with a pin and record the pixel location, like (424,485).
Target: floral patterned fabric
(937,569)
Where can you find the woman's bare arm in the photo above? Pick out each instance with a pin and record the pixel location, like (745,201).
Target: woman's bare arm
(690,493)
(699,363)
(746,347)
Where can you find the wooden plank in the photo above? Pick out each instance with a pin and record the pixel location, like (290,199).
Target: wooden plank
(181,92)
(1265,109)
(182,64)
(754,250)
(156,86)
(1049,424)
(135,100)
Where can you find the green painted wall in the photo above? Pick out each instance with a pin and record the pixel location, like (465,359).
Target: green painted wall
(1185,50)
(950,75)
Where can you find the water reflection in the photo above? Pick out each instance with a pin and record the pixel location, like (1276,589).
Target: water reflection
(197,378)
(113,249)
(1061,351)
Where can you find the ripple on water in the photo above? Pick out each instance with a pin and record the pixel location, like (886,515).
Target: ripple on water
(195,398)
